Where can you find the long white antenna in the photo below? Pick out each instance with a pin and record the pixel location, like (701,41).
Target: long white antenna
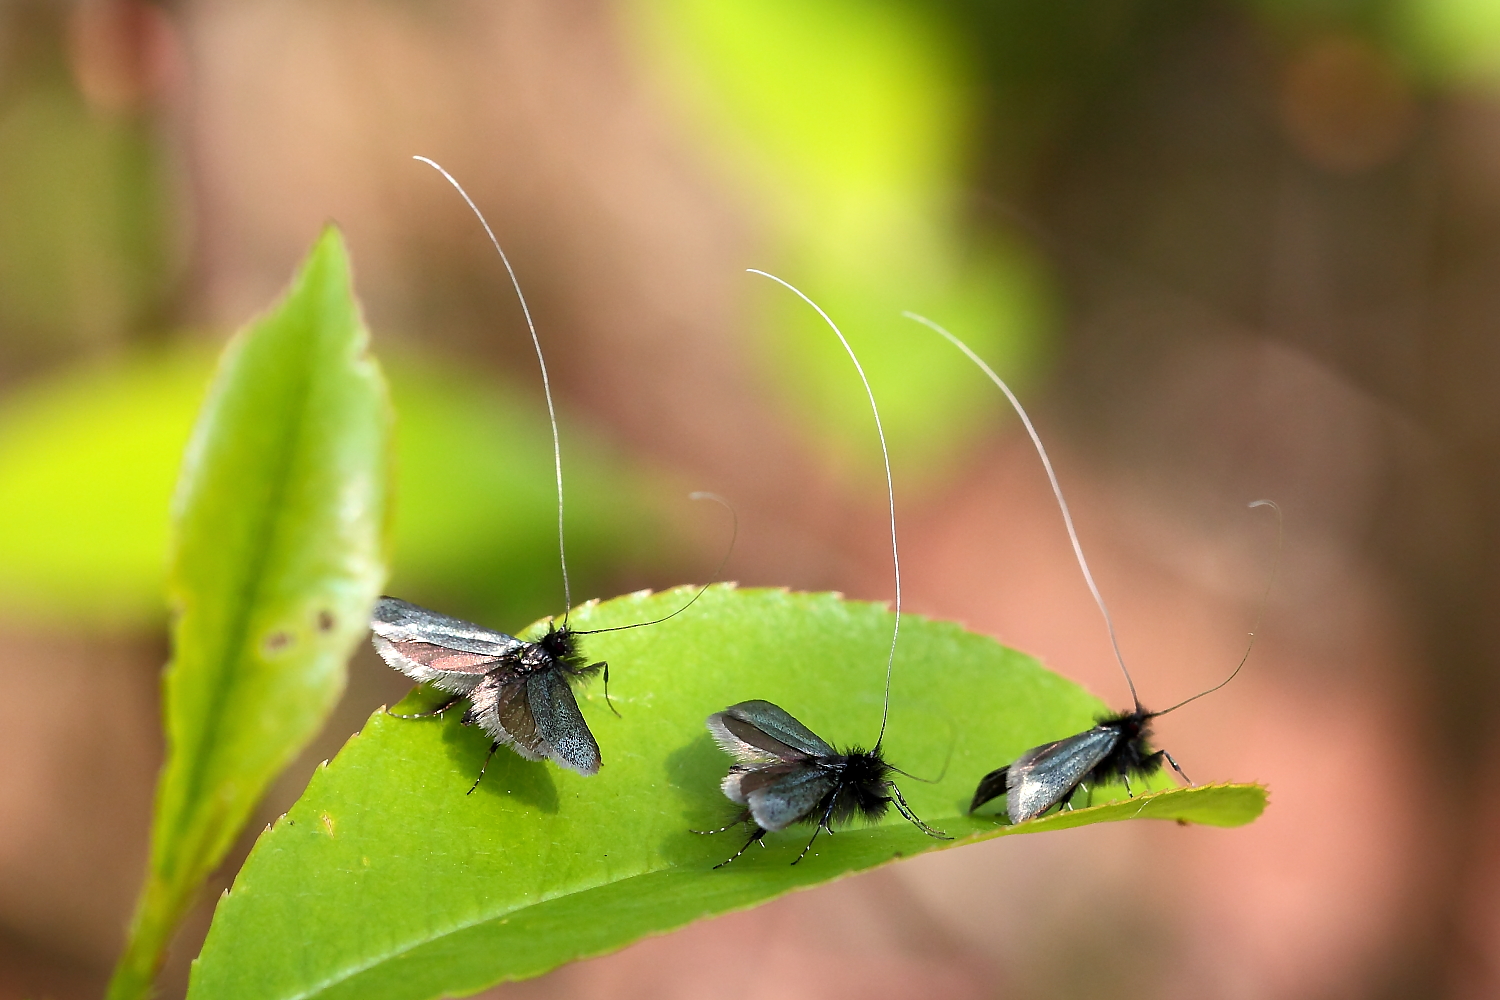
(562,553)
(1062,504)
(890,488)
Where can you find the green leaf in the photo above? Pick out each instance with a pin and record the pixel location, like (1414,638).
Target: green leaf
(395,884)
(278,552)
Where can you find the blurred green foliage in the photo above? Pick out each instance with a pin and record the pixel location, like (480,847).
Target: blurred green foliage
(88,228)
(849,125)
(476,500)
(858,134)
(88,457)
(1457,41)
(87,461)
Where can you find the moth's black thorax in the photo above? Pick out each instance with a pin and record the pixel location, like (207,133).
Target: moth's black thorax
(862,785)
(1132,753)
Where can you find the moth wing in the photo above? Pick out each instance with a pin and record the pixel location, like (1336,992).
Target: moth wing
(990,786)
(743,779)
(399,621)
(428,663)
(1043,776)
(779,804)
(560,724)
(502,710)
(431,648)
(758,731)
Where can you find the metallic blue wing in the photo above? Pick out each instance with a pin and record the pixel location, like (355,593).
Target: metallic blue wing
(559,722)
(781,803)
(1045,775)
(502,710)
(758,731)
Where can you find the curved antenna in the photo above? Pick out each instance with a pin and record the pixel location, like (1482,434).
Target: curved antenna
(562,552)
(1062,504)
(948,759)
(1265,597)
(734,535)
(890,489)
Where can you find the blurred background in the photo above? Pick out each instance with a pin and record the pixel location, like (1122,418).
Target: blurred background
(1224,249)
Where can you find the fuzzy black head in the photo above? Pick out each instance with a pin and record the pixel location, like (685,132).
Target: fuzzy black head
(1132,755)
(559,643)
(863,786)
(1130,725)
(561,648)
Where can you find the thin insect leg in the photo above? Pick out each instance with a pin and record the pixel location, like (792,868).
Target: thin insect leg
(822,825)
(816,831)
(482,767)
(742,817)
(1175,766)
(754,838)
(437,711)
(911,817)
(606,693)
(1125,777)
(1089,792)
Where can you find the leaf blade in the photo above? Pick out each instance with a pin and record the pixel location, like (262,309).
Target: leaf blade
(278,551)
(452,893)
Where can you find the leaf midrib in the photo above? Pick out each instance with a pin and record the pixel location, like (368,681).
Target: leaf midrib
(268,527)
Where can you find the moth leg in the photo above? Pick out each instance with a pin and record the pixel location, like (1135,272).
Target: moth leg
(1125,777)
(911,817)
(754,838)
(817,830)
(483,767)
(1175,766)
(437,711)
(742,817)
(822,825)
(606,693)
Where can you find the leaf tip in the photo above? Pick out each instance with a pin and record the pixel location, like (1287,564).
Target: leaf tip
(330,239)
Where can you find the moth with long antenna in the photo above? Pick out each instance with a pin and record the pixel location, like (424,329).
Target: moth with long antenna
(1116,747)
(519,691)
(784,772)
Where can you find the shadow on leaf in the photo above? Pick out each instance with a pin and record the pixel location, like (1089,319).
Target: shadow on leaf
(508,776)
